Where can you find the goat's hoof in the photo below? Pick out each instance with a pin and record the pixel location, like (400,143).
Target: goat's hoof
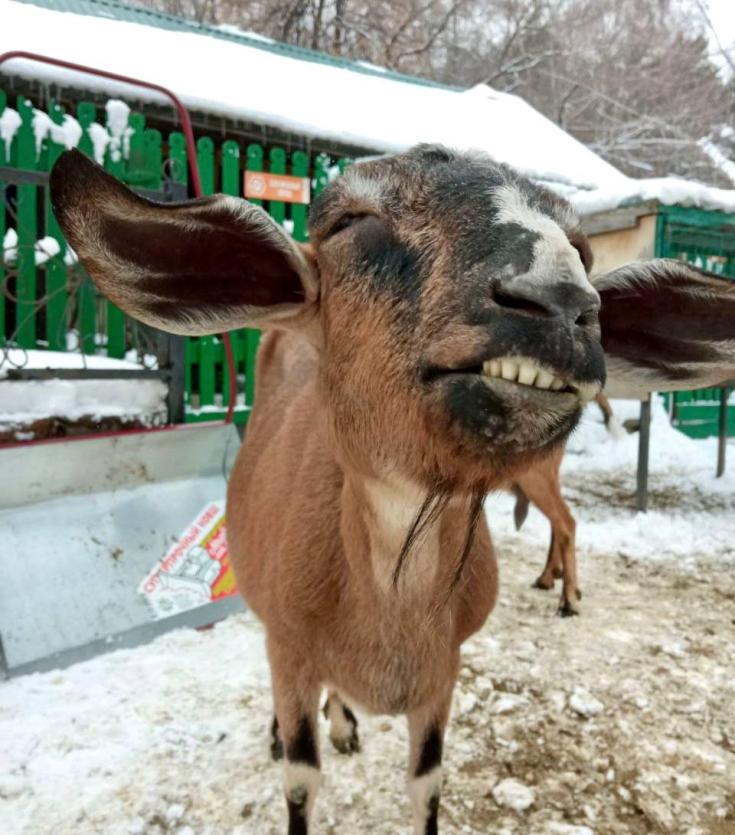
(579,594)
(347,744)
(567,610)
(544,585)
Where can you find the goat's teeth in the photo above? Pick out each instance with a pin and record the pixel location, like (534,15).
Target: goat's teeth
(509,369)
(527,373)
(491,368)
(544,379)
(587,391)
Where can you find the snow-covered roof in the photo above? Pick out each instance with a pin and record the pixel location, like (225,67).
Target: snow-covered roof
(668,191)
(239,75)
(246,78)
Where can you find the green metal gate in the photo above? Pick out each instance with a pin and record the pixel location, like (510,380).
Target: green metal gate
(705,239)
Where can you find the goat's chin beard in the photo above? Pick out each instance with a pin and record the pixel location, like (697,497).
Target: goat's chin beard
(485,446)
(474,451)
(484,467)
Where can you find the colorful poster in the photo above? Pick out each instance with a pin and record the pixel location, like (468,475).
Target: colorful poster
(196,570)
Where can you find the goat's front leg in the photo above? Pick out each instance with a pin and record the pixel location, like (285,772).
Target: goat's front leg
(426,737)
(296,698)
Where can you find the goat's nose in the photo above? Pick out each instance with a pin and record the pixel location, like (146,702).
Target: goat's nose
(573,302)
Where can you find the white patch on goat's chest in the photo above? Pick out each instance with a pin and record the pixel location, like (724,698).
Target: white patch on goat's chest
(552,251)
(394,507)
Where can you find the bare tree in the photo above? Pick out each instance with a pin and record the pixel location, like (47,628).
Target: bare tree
(633,79)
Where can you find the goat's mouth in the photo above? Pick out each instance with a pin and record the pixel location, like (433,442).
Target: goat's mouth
(522,373)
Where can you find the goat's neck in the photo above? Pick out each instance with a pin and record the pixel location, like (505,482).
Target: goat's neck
(377,515)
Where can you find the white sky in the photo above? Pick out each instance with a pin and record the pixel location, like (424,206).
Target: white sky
(722,15)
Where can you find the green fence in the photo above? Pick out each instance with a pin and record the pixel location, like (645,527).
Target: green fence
(44,294)
(707,240)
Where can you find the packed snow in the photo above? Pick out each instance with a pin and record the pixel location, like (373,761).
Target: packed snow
(24,402)
(514,795)
(100,140)
(669,191)
(115,137)
(687,503)
(39,359)
(10,121)
(43,250)
(231,29)
(68,133)
(617,722)
(118,129)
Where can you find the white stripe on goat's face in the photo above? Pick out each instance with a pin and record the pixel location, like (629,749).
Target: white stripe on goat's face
(553,255)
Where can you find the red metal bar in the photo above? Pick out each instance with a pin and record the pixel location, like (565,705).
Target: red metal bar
(112,433)
(191,155)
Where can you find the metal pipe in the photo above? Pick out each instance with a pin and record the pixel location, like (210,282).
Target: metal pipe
(644,437)
(722,439)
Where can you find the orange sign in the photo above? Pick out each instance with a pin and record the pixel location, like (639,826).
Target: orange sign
(262,186)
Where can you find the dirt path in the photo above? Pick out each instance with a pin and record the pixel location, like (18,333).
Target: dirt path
(619,721)
(654,653)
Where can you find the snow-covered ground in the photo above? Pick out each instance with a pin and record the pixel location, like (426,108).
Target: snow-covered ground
(618,722)
(690,517)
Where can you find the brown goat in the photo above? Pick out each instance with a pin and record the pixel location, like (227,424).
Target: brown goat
(437,337)
(541,485)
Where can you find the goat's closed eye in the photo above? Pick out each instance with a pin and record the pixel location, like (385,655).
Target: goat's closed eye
(344,223)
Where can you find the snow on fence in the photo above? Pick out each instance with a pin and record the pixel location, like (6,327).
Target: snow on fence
(45,294)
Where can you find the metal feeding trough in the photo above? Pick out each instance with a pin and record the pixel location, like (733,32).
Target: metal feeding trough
(101,538)
(84,522)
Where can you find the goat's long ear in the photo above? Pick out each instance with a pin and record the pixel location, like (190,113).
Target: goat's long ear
(190,268)
(666,326)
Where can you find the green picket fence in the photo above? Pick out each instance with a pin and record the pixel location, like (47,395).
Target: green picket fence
(41,303)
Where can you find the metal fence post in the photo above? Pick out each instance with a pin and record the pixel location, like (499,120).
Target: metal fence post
(644,437)
(722,439)
(176,397)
